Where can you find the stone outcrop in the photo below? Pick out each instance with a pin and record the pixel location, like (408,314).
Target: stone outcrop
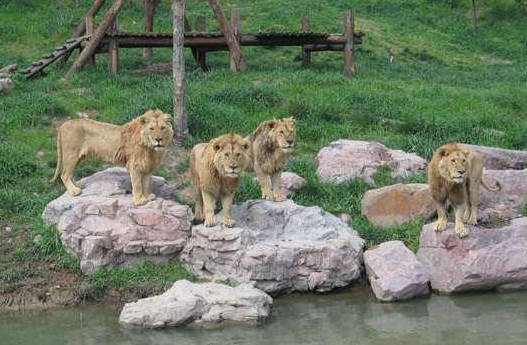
(395,273)
(345,160)
(281,247)
(290,183)
(500,159)
(488,258)
(398,204)
(103,228)
(202,304)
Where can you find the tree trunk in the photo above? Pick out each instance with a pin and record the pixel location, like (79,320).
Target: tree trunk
(150,10)
(178,71)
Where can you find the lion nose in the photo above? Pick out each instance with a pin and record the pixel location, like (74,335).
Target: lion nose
(460,172)
(233,167)
(159,139)
(290,142)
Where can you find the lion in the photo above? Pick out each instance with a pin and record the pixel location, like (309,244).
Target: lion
(271,144)
(139,145)
(215,168)
(455,174)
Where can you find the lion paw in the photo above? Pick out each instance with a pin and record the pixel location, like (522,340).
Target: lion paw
(440,225)
(75,191)
(198,215)
(461,230)
(210,221)
(228,222)
(278,197)
(151,197)
(140,200)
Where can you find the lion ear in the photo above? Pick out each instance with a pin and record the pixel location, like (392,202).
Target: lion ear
(216,146)
(246,144)
(166,118)
(291,120)
(143,120)
(272,124)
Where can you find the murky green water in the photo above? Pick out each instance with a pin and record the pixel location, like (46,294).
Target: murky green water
(351,317)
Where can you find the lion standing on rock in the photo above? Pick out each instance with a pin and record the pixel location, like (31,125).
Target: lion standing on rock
(139,145)
(215,168)
(271,144)
(455,174)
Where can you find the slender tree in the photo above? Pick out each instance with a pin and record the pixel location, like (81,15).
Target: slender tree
(178,71)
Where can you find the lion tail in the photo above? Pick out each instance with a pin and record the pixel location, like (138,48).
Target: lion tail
(487,187)
(58,169)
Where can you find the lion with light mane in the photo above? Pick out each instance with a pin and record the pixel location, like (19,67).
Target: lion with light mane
(271,144)
(215,168)
(139,145)
(455,174)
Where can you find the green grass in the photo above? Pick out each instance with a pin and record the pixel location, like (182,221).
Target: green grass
(445,84)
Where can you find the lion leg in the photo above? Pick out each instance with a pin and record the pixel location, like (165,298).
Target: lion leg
(209,203)
(459,227)
(147,187)
(198,204)
(68,167)
(277,191)
(441,216)
(473,198)
(263,179)
(137,188)
(226,203)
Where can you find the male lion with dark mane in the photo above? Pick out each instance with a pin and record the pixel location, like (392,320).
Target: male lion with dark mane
(455,174)
(139,145)
(215,168)
(271,144)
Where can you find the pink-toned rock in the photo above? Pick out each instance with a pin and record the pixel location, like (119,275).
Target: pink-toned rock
(488,258)
(394,272)
(290,183)
(103,228)
(500,159)
(345,160)
(280,247)
(398,204)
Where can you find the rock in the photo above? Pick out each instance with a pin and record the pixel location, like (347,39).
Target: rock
(500,159)
(346,218)
(345,160)
(488,258)
(290,183)
(198,304)
(6,84)
(394,272)
(398,204)
(509,201)
(9,68)
(103,228)
(281,247)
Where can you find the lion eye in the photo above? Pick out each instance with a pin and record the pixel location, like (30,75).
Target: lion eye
(163,128)
(227,154)
(151,128)
(238,154)
(281,132)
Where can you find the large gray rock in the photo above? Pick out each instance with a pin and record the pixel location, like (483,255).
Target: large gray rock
(489,258)
(345,160)
(500,159)
(198,304)
(394,272)
(398,204)
(103,228)
(281,247)
(290,183)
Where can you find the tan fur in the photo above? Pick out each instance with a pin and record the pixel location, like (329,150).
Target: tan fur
(139,145)
(271,144)
(455,174)
(214,170)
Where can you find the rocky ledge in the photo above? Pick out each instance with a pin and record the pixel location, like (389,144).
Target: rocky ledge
(489,258)
(202,304)
(281,247)
(103,228)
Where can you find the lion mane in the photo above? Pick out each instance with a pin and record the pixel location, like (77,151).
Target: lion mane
(455,174)
(139,145)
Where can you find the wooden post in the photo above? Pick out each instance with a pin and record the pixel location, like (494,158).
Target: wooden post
(96,38)
(475,15)
(201,26)
(306,55)
(350,68)
(89,30)
(81,28)
(113,50)
(236,25)
(178,71)
(232,43)
(150,11)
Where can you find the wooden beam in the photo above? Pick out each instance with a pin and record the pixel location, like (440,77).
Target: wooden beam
(350,69)
(113,50)
(81,28)
(234,47)
(236,25)
(306,54)
(201,26)
(178,71)
(89,31)
(150,11)
(95,39)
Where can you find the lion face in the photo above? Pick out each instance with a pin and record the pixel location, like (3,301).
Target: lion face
(231,154)
(454,166)
(283,133)
(156,131)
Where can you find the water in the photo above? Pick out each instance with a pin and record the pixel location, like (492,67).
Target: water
(351,317)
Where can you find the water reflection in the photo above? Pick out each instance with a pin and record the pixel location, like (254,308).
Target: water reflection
(351,317)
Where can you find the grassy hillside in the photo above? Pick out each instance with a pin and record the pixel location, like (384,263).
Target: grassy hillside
(444,84)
